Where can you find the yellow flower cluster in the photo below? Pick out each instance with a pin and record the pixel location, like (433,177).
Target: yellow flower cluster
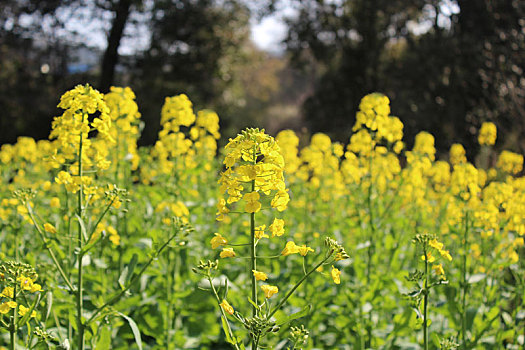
(487,134)
(185,141)
(125,119)
(24,284)
(373,119)
(74,125)
(510,162)
(457,154)
(430,258)
(254,171)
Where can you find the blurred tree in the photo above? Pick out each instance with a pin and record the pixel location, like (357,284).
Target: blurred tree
(197,47)
(346,41)
(32,65)
(447,65)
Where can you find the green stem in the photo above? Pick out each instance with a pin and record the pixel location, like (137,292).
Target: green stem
(222,312)
(80,325)
(12,328)
(291,291)
(371,248)
(253,259)
(134,279)
(47,245)
(425,303)
(168,301)
(464,287)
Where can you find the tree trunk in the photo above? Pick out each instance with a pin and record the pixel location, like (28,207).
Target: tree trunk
(110,59)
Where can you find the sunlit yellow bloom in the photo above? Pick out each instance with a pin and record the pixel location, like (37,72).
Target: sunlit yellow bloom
(438,269)
(226,307)
(227,253)
(435,244)
(217,241)
(303,250)
(35,288)
(336,275)
(259,232)
(50,228)
(54,202)
(487,134)
(290,248)
(269,291)
(25,283)
(7,306)
(277,227)
(260,276)
(252,207)
(445,254)
(510,162)
(22,310)
(457,154)
(8,292)
(429,258)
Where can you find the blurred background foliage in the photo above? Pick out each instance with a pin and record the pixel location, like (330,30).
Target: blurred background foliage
(447,65)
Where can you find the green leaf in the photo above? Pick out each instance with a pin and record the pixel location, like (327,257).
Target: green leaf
(127,272)
(49,302)
(282,318)
(91,244)
(254,304)
(104,338)
(471,314)
(82,227)
(134,329)
(24,319)
(225,329)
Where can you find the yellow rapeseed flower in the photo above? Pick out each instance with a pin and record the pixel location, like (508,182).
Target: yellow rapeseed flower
(269,291)
(217,241)
(226,307)
(259,232)
(438,269)
(50,228)
(303,250)
(259,275)
(277,227)
(290,248)
(429,258)
(8,292)
(336,275)
(227,253)
(7,306)
(487,134)
(25,283)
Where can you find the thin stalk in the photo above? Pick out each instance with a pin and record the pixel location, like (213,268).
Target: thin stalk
(291,291)
(371,247)
(464,287)
(425,303)
(253,257)
(12,328)
(134,279)
(51,254)
(80,325)
(222,311)
(168,301)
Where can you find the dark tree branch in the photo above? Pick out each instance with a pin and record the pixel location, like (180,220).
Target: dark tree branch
(110,59)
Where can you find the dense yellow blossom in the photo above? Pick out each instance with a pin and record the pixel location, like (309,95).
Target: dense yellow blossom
(336,275)
(487,134)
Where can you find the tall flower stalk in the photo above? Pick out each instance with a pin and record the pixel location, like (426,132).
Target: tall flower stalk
(254,179)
